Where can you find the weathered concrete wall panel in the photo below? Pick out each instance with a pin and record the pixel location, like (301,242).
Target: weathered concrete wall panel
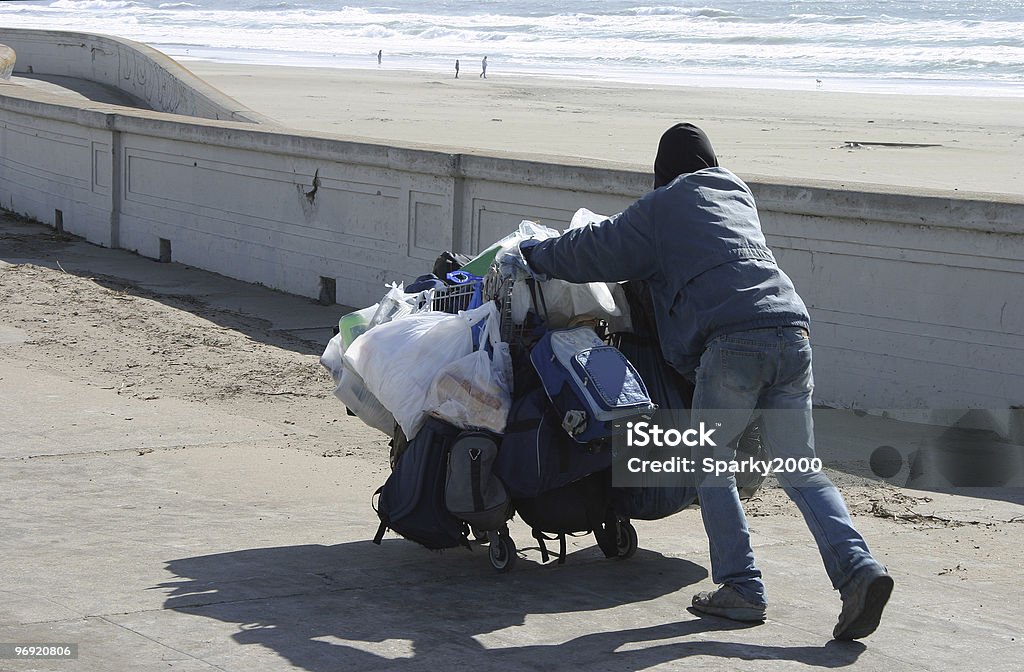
(914,300)
(248,212)
(57,166)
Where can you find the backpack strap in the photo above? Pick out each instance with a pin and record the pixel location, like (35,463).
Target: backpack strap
(602,519)
(541,538)
(545,555)
(537,296)
(475,479)
(383,527)
(606,533)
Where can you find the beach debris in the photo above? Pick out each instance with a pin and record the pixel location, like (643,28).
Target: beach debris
(865,144)
(958,571)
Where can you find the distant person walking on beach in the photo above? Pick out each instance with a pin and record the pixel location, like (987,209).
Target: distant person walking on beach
(483,64)
(380,53)
(456,68)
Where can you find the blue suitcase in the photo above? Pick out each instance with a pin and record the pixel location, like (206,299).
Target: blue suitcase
(593,387)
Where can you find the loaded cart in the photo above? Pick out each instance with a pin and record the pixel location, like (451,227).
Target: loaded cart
(501,395)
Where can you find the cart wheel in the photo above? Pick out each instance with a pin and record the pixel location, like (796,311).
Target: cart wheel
(479,535)
(502,552)
(626,539)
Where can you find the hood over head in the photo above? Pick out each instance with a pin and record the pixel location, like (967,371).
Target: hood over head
(684,148)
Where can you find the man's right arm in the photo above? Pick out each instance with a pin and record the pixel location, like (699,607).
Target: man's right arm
(622,247)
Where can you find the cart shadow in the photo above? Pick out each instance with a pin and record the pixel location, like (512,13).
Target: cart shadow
(355,606)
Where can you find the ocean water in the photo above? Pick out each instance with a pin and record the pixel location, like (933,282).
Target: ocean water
(943,46)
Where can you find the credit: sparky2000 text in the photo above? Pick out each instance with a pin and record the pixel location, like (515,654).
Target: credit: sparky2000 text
(709,465)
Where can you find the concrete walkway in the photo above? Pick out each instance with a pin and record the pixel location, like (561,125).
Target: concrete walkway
(78,90)
(172,534)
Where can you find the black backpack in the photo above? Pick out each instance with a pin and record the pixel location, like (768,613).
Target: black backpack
(580,507)
(411,501)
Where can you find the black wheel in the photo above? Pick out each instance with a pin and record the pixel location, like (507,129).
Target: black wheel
(479,536)
(502,552)
(626,539)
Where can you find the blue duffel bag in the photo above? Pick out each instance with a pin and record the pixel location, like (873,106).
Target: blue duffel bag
(593,387)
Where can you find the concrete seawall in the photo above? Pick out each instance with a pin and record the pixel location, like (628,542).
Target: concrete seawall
(917,300)
(140,71)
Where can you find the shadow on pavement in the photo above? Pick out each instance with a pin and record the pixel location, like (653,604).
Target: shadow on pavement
(359,607)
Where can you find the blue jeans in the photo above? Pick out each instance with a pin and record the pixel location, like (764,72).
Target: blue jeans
(768,370)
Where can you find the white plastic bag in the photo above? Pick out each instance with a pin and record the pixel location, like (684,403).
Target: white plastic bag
(399,360)
(527,231)
(584,217)
(352,392)
(569,304)
(349,386)
(397,304)
(332,357)
(475,392)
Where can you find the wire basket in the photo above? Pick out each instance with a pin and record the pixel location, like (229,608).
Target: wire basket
(458,297)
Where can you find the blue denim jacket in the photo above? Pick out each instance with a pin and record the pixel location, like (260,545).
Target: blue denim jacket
(698,245)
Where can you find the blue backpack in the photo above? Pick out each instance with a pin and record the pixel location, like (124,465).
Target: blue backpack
(593,387)
(412,501)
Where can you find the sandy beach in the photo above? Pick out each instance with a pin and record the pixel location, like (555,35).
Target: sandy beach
(963,143)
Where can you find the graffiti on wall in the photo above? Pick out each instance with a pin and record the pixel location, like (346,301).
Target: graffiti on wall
(144,78)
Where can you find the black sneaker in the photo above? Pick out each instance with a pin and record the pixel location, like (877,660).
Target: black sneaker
(727,603)
(864,599)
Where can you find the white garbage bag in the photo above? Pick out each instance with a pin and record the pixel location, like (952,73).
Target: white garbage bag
(332,359)
(349,385)
(399,360)
(351,390)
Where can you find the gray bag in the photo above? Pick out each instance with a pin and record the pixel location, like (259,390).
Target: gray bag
(472,492)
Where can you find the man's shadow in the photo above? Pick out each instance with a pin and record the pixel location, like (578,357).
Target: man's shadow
(355,606)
